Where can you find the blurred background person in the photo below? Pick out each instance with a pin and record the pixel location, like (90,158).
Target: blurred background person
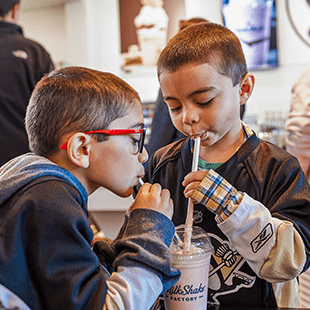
(298,143)
(298,124)
(162,130)
(23,63)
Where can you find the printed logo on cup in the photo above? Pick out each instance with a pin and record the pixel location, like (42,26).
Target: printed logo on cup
(186,292)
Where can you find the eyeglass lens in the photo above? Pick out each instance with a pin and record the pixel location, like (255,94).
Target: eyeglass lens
(141,142)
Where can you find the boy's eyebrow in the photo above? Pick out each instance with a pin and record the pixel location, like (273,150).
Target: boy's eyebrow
(198,91)
(169,98)
(138,125)
(202,90)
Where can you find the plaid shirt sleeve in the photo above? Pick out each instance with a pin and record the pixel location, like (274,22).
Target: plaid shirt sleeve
(219,196)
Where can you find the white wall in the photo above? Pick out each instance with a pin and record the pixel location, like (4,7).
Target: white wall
(48,27)
(93,34)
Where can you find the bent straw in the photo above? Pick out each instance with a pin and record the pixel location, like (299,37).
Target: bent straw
(190,207)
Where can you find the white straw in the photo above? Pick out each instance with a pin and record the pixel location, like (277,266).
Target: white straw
(141,181)
(190,207)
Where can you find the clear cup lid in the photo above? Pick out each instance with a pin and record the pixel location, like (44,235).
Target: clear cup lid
(200,242)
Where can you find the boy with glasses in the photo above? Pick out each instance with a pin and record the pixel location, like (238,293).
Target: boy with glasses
(85,130)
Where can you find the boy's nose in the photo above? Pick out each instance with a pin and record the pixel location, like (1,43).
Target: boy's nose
(144,156)
(190,116)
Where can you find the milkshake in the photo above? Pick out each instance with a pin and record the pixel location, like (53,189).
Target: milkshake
(191,291)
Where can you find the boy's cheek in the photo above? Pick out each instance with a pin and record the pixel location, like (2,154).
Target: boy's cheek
(178,124)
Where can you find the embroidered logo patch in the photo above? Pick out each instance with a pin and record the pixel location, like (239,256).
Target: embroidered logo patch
(262,238)
(20,54)
(198,216)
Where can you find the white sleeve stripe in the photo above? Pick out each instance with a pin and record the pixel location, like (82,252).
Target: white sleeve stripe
(133,288)
(9,300)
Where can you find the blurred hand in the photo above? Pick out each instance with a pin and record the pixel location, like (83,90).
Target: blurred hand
(192,181)
(154,198)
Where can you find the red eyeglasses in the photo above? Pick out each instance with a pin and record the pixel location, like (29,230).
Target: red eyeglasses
(115,132)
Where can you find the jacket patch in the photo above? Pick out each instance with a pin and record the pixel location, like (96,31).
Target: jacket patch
(20,54)
(198,217)
(262,238)
(226,275)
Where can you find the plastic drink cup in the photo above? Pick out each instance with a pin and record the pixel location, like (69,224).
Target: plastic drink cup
(191,291)
(250,20)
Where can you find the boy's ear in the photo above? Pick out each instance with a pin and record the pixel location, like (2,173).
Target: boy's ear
(15,12)
(246,87)
(78,149)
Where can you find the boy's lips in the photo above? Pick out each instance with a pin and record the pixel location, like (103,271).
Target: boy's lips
(202,136)
(205,135)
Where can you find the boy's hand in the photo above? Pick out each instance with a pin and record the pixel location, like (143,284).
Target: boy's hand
(192,181)
(154,198)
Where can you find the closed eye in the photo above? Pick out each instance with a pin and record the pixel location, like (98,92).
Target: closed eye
(174,110)
(203,104)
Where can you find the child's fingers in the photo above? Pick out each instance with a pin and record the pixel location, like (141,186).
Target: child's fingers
(153,197)
(145,188)
(167,203)
(195,176)
(189,194)
(170,210)
(150,191)
(165,194)
(189,189)
(155,189)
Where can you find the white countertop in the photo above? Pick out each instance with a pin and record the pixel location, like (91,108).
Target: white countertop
(104,200)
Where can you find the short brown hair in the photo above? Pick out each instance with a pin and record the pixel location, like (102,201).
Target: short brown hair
(205,43)
(189,22)
(74,99)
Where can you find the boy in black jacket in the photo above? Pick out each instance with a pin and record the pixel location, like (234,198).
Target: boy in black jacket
(250,196)
(85,130)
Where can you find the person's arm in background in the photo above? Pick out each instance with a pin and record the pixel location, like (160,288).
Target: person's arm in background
(298,144)
(298,125)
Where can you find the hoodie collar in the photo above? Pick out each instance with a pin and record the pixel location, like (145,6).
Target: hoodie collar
(25,168)
(9,28)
